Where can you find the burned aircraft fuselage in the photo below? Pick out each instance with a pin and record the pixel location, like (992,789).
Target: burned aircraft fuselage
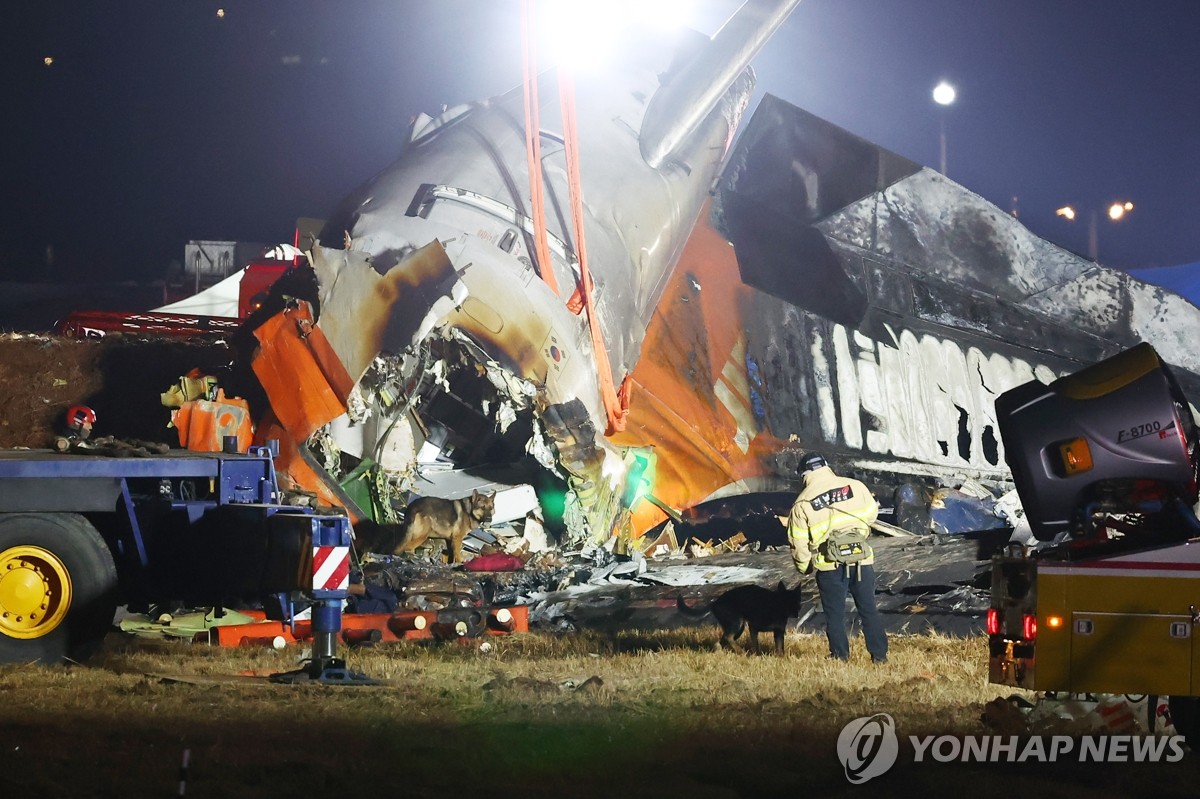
(867,308)
(428,279)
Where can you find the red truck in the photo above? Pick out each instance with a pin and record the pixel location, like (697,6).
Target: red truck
(257,278)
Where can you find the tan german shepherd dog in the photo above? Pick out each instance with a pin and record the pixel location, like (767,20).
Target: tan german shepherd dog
(448,519)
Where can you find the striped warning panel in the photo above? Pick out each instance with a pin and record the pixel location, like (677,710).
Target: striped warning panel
(331,568)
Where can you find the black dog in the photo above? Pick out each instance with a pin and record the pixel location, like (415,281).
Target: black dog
(752,605)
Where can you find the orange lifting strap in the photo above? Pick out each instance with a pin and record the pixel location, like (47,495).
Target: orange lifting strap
(533,146)
(616,402)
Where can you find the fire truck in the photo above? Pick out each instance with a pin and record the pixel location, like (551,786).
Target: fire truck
(1107,597)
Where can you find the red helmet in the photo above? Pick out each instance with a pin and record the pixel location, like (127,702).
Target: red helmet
(79,415)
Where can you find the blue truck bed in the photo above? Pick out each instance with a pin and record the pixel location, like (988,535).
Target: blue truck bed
(44,480)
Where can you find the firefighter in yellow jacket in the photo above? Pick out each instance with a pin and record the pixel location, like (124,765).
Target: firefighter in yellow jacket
(827,531)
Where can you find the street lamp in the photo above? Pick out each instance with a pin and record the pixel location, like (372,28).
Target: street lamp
(1116,211)
(943,95)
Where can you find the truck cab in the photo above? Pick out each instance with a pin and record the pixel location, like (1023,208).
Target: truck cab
(1105,599)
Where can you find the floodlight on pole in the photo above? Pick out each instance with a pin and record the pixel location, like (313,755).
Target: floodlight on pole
(1116,212)
(944,95)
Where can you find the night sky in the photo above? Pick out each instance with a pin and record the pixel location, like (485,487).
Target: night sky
(159,122)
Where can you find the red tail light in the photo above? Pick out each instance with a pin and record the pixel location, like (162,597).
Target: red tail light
(1181,434)
(993,621)
(1029,627)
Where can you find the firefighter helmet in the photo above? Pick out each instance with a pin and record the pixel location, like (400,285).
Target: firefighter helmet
(812,461)
(80,415)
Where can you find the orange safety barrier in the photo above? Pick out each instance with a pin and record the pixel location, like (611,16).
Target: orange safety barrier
(362,636)
(233,634)
(503,621)
(414,623)
(270,642)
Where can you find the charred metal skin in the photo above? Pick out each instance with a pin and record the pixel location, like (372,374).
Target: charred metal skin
(869,309)
(439,245)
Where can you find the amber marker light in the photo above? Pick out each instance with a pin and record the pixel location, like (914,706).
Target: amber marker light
(1054,622)
(1076,456)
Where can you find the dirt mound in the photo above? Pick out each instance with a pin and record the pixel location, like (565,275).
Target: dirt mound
(120,377)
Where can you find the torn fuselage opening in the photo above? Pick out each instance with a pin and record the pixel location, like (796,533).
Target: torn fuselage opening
(463,420)
(513,333)
(427,423)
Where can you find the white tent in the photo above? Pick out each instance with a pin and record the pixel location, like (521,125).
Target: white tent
(217,300)
(222,299)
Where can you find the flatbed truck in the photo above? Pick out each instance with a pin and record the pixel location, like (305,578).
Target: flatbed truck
(81,534)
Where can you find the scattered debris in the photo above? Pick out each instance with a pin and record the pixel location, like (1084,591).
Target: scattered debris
(665,544)
(110,446)
(1004,717)
(1009,506)
(184,625)
(1078,714)
(969,508)
(521,683)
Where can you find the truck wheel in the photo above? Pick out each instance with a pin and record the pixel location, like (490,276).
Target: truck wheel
(58,588)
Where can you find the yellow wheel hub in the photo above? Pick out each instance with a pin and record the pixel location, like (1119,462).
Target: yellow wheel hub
(35,592)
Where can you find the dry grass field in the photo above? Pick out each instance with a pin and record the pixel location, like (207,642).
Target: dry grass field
(667,716)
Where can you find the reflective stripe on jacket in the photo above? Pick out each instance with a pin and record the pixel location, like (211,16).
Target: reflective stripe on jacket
(827,503)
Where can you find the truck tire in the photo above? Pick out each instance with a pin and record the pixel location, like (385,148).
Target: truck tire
(58,588)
